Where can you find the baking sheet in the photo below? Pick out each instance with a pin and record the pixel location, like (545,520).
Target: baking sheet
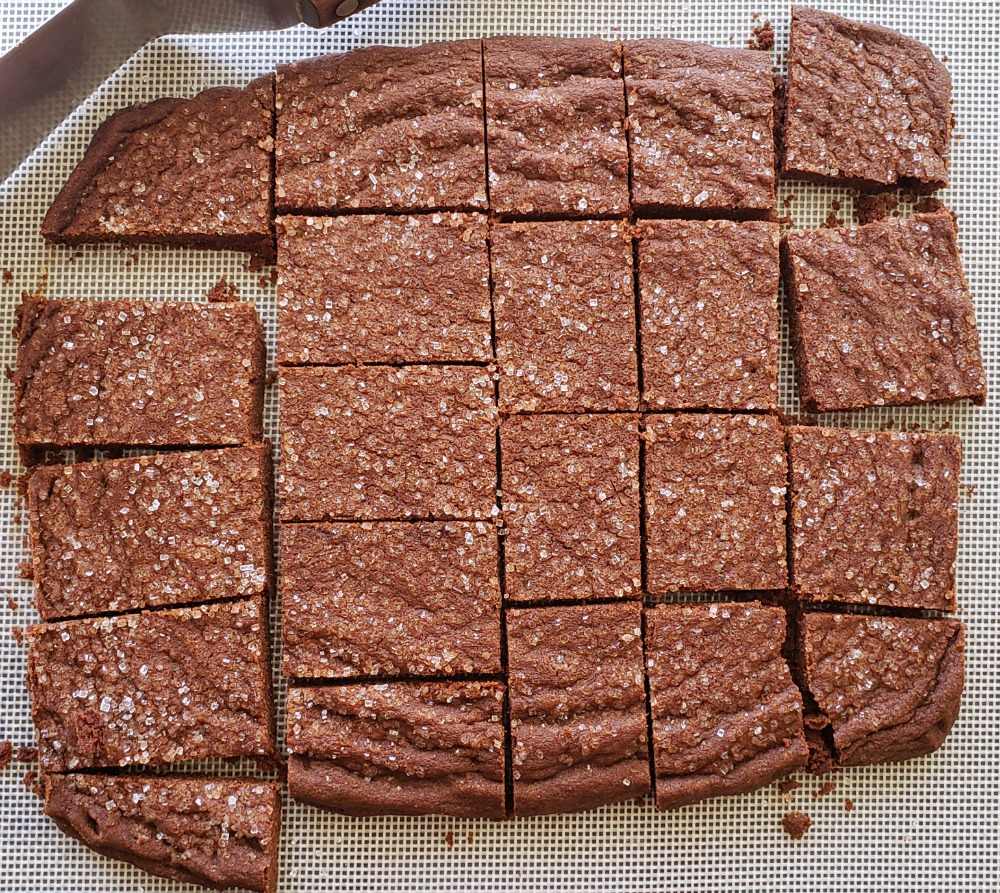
(931,824)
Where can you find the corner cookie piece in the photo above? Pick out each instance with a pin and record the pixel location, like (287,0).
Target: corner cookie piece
(577,707)
(890,687)
(709,301)
(715,503)
(379,289)
(411,442)
(390,599)
(881,315)
(382,128)
(701,128)
(152,688)
(565,316)
(153,531)
(874,517)
(727,717)
(216,832)
(571,505)
(399,748)
(188,172)
(555,120)
(866,106)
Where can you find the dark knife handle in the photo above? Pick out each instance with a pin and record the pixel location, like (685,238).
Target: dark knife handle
(320,13)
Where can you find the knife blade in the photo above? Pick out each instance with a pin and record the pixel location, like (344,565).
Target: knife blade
(59,65)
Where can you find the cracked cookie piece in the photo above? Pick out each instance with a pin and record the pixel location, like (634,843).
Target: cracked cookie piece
(188,172)
(709,304)
(571,506)
(555,121)
(216,832)
(138,373)
(727,717)
(701,128)
(152,688)
(565,316)
(382,128)
(153,531)
(890,687)
(881,315)
(410,442)
(866,106)
(577,707)
(367,289)
(874,517)
(715,503)
(390,599)
(399,748)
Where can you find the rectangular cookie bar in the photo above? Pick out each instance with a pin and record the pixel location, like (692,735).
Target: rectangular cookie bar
(727,717)
(399,748)
(390,599)
(384,289)
(577,707)
(187,172)
(138,373)
(555,123)
(874,517)
(152,688)
(382,128)
(196,829)
(411,442)
(154,531)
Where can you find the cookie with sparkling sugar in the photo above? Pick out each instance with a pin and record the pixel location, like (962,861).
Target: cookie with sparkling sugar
(715,502)
(382,128)
(709,304)
(194,173)
(555,123)
(152,688)
(881,315)
(151,531)
(399,748)
(890,687)
(727,717)
(865,106)
(565,316)
(390,599)
(571,506)
(701,128)
(196,829)
(577,707)
(874,517)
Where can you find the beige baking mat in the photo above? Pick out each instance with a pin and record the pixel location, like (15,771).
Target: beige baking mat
(931,824)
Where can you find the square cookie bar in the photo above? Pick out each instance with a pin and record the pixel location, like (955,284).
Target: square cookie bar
(379,289)
(881,315)
(866,106)
(571,505)
(709,304)
(701,128)
(555,122)
(153,531)
(390,599)
(399,748)
(410,442)
(874,517)
(565,316)
(715,503)
(382,128)
(727,717)
(577,707)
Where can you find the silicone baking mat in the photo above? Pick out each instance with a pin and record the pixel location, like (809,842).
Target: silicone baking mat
(931,824)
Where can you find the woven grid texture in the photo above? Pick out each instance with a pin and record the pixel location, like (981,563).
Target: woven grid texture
(926,825)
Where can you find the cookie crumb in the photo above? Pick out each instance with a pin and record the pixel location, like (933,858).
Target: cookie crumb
(6,754)
(796,824)
(848,805)
(788,785)
(18,634)
(12,605)
(8,276)
(25,570)
(27,754)
(223,292)
(449,838)
(828,787)
(763,37)
(6,478)
(468,837)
